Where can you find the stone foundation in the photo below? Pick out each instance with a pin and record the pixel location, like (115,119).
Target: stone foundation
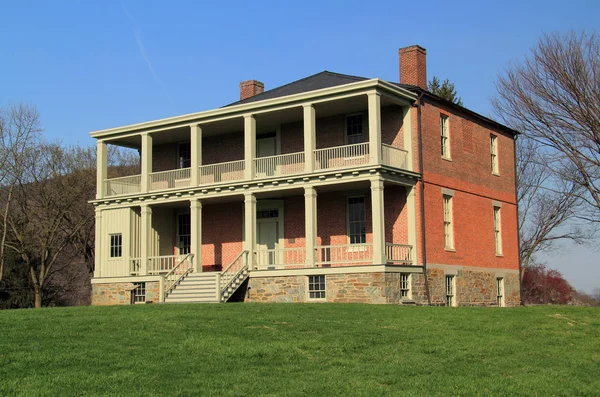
(108,294)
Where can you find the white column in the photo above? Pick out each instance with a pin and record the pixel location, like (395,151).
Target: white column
(411,207)
(408,136)
(196,154)
(375,127)
(249,145)
(310,132)
(101,168)
(99,249)
(378,219)
(250,225)
(196,233)
(145,237)
(146,161)
(310,224)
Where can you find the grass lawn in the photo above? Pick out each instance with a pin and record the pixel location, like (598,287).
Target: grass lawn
(299,350)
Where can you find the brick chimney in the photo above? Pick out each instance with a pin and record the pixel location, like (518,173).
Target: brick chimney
(249,88)
(413,66)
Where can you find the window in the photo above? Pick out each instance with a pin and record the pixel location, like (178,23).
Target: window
(184,155)
(445,136)
(267,214)
(450,299)
(116,245)
(354,129)
(357,220)
(500,291)
(138,294)
(448,232)
(494,153)
(497,231)
(184,229)
(404,285)
(316,287)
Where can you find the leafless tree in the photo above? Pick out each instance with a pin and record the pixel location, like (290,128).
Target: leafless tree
(553,97)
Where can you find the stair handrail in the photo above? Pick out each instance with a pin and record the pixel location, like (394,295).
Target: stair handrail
(169,286)
(228,275)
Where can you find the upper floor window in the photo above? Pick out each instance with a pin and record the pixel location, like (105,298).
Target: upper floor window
(184,155)
(357,220)
(116,245)
(497,231)
(354,129)
(445,136)
(448,230)
(494,153)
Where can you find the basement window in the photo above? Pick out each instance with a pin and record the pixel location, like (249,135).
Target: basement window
(404,285)
(450,287)
(138,295)
(116,245)
(500,291)
(316,287)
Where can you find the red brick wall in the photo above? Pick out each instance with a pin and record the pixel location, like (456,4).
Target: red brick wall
(221,234)
(222,148)
(164,157)
(469,175)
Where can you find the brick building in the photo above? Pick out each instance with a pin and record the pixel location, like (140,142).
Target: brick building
(331,188)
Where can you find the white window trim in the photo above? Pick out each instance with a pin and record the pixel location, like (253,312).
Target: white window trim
(447,155)
(497,229)
(110,245)
(500,292)
(360,246)
(447,198)
(308,291)
(178,214)
(453,301)
(408,286)
(365,126)
(494,157)
(143,296)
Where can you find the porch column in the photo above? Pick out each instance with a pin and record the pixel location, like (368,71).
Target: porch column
(310,225)
(250,226)
(146,161)
(411,207)
(196,154)
(378,219)
(249,146)
(101,168)
(145,237)
(310,131)
(375,127)
(196,233)
(408,136)
(100,249)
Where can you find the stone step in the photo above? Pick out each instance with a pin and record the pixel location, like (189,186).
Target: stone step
(191,300)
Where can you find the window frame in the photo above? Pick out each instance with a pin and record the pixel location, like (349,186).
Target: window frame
(138,294)
(448,217)
(405,283)
(180,160)
(316,286)
(494,154)
(450,289)
(497,219)
(184,247)
(500,292)
(348,233)
(347,125)
(115,248)
(446,153)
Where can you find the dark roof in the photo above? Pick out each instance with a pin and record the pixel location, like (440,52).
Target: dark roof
(317,81)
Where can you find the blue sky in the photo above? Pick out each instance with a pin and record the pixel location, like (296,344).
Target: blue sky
(90,65)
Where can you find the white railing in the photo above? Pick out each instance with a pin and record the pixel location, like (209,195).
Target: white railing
(342,156)
(135,266)
(170,179)
(123,185)
(163,264)
(393,156)
(398,253)
(222,172)
(181,269)
(342,254)
(284,164)
(235,268)
(280,257)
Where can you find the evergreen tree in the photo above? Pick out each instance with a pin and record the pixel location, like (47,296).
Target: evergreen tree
(444,90)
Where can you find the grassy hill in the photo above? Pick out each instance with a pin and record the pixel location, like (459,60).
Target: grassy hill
(299,350)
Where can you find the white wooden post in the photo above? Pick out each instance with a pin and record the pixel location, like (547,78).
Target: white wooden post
(249,146)
(101,168)
(250,225)
(310,131)
(310,225)
(100,248)
(378,219)
(146,161)
(145,236)
(411,206)
(196,233)
(374,99)
(196,154)
(408,134)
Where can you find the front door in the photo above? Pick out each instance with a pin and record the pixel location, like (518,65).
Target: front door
(266,239)
(266,147)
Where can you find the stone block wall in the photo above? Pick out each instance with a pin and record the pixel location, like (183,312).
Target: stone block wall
(108,294)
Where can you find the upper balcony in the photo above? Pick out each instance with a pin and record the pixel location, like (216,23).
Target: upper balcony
(364,130)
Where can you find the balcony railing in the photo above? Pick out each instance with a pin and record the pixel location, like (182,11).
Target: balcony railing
(284,164)
(163,264)
(123,185)
(342,156)
(398,253)
(338,157)
(394,156)
(279,257)
(343,254)
(222,172)
(170,179)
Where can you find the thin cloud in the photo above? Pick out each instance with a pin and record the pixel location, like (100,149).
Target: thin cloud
(144,54)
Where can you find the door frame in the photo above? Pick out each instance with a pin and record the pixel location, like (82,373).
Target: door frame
(273,204)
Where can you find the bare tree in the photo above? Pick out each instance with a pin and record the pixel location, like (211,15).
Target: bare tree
(553,97)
